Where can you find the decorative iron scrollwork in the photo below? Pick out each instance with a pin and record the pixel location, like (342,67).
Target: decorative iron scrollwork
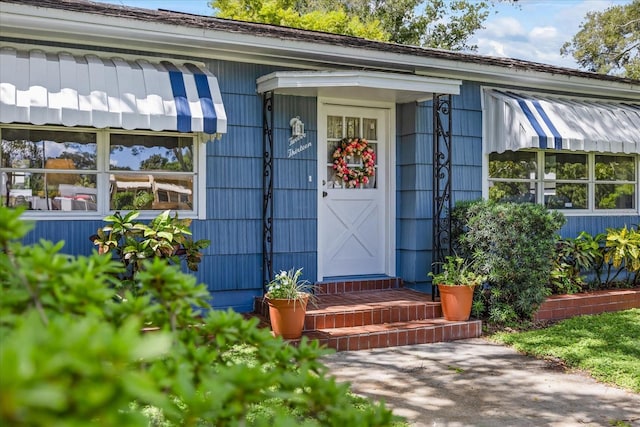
(442,200)
(267,189)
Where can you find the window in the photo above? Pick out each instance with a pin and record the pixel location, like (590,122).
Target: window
(565,180)
(51,170)
(339,127)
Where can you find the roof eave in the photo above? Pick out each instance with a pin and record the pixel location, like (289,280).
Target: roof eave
(92,29)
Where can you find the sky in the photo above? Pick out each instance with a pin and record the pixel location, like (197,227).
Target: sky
(534,31)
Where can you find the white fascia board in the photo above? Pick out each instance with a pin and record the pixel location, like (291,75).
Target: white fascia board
(76,27)
(360,79)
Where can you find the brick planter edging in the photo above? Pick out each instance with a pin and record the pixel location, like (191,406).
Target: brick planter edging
(558,307)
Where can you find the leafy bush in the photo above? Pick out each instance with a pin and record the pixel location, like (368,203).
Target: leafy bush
(512,244)
(74,355)
(132,242)
(573,260)
(622,251)
(607,260)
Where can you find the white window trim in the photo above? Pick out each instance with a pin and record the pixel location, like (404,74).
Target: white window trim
(590,182)
(102,179)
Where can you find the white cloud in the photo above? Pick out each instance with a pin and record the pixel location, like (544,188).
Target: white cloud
(543,33)
(491,48)
(504,27)
(536,30)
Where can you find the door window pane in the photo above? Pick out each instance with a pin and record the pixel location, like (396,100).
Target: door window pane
(353,127)
(370,129)
(334,127)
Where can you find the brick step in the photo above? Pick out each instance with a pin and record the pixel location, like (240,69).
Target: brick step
(387,317)
(370,308)
(395,334)
(365,308)
(358,285)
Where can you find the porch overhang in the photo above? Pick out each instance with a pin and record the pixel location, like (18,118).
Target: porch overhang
(361,85)
(516,121)
(86,90)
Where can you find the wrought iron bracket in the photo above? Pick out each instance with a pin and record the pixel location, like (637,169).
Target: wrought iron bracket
(267,188)
(442,197)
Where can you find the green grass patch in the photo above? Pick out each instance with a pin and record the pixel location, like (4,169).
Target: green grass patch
(605,345)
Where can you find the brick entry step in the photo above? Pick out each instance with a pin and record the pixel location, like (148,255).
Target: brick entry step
(365,314)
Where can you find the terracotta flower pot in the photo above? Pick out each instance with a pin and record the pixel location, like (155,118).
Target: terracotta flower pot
(287,316)
(456,301)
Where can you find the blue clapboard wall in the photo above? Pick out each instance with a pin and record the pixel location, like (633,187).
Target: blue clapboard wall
(232,265)
(414,208)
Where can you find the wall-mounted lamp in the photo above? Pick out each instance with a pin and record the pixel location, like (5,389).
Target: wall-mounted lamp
(297,127)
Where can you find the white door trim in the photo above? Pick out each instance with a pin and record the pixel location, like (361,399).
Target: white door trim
(390,167)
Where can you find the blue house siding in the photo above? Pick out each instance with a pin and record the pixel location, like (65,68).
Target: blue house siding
(232,266)
(596,224)
(415,196)
(414,181)
(75,234)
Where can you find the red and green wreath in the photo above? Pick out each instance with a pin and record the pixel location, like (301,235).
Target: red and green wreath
(349,149)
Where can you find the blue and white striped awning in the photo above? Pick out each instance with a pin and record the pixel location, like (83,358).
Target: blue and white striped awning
(63,89)
(515,121)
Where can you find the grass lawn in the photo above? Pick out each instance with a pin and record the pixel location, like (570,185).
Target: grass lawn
(605,345)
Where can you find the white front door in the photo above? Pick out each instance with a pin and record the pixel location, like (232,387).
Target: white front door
(353,229)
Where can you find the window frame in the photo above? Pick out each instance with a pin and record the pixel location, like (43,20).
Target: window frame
(103,171)
(590,182)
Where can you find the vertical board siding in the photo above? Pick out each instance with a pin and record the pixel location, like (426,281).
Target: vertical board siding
(231,203)
(596,224)
(232,265)
(239,141)
(234,172)
(235,193)
(74,233)
(415,175)
(295,197)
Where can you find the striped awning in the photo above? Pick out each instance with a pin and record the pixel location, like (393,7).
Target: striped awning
(515,121)
(62,89)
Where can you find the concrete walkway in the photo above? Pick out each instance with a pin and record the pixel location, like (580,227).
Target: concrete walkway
(478,383)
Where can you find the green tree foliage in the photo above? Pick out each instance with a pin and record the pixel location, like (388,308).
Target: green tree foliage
(284,13)
(75,355)
(609,42)
(429,23)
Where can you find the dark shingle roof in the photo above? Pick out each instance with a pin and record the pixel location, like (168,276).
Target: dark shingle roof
(286,33)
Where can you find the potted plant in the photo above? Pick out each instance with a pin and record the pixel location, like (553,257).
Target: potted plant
(287,297)
(456,284)
(132,242)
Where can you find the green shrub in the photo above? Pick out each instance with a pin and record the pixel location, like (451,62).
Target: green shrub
(603,261)
(132,242)
(512,244)
(573,261)
(74,355)
(622,251)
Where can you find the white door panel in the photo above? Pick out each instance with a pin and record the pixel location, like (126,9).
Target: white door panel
(352,221)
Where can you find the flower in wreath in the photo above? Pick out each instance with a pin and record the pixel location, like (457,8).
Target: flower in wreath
(346,153)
